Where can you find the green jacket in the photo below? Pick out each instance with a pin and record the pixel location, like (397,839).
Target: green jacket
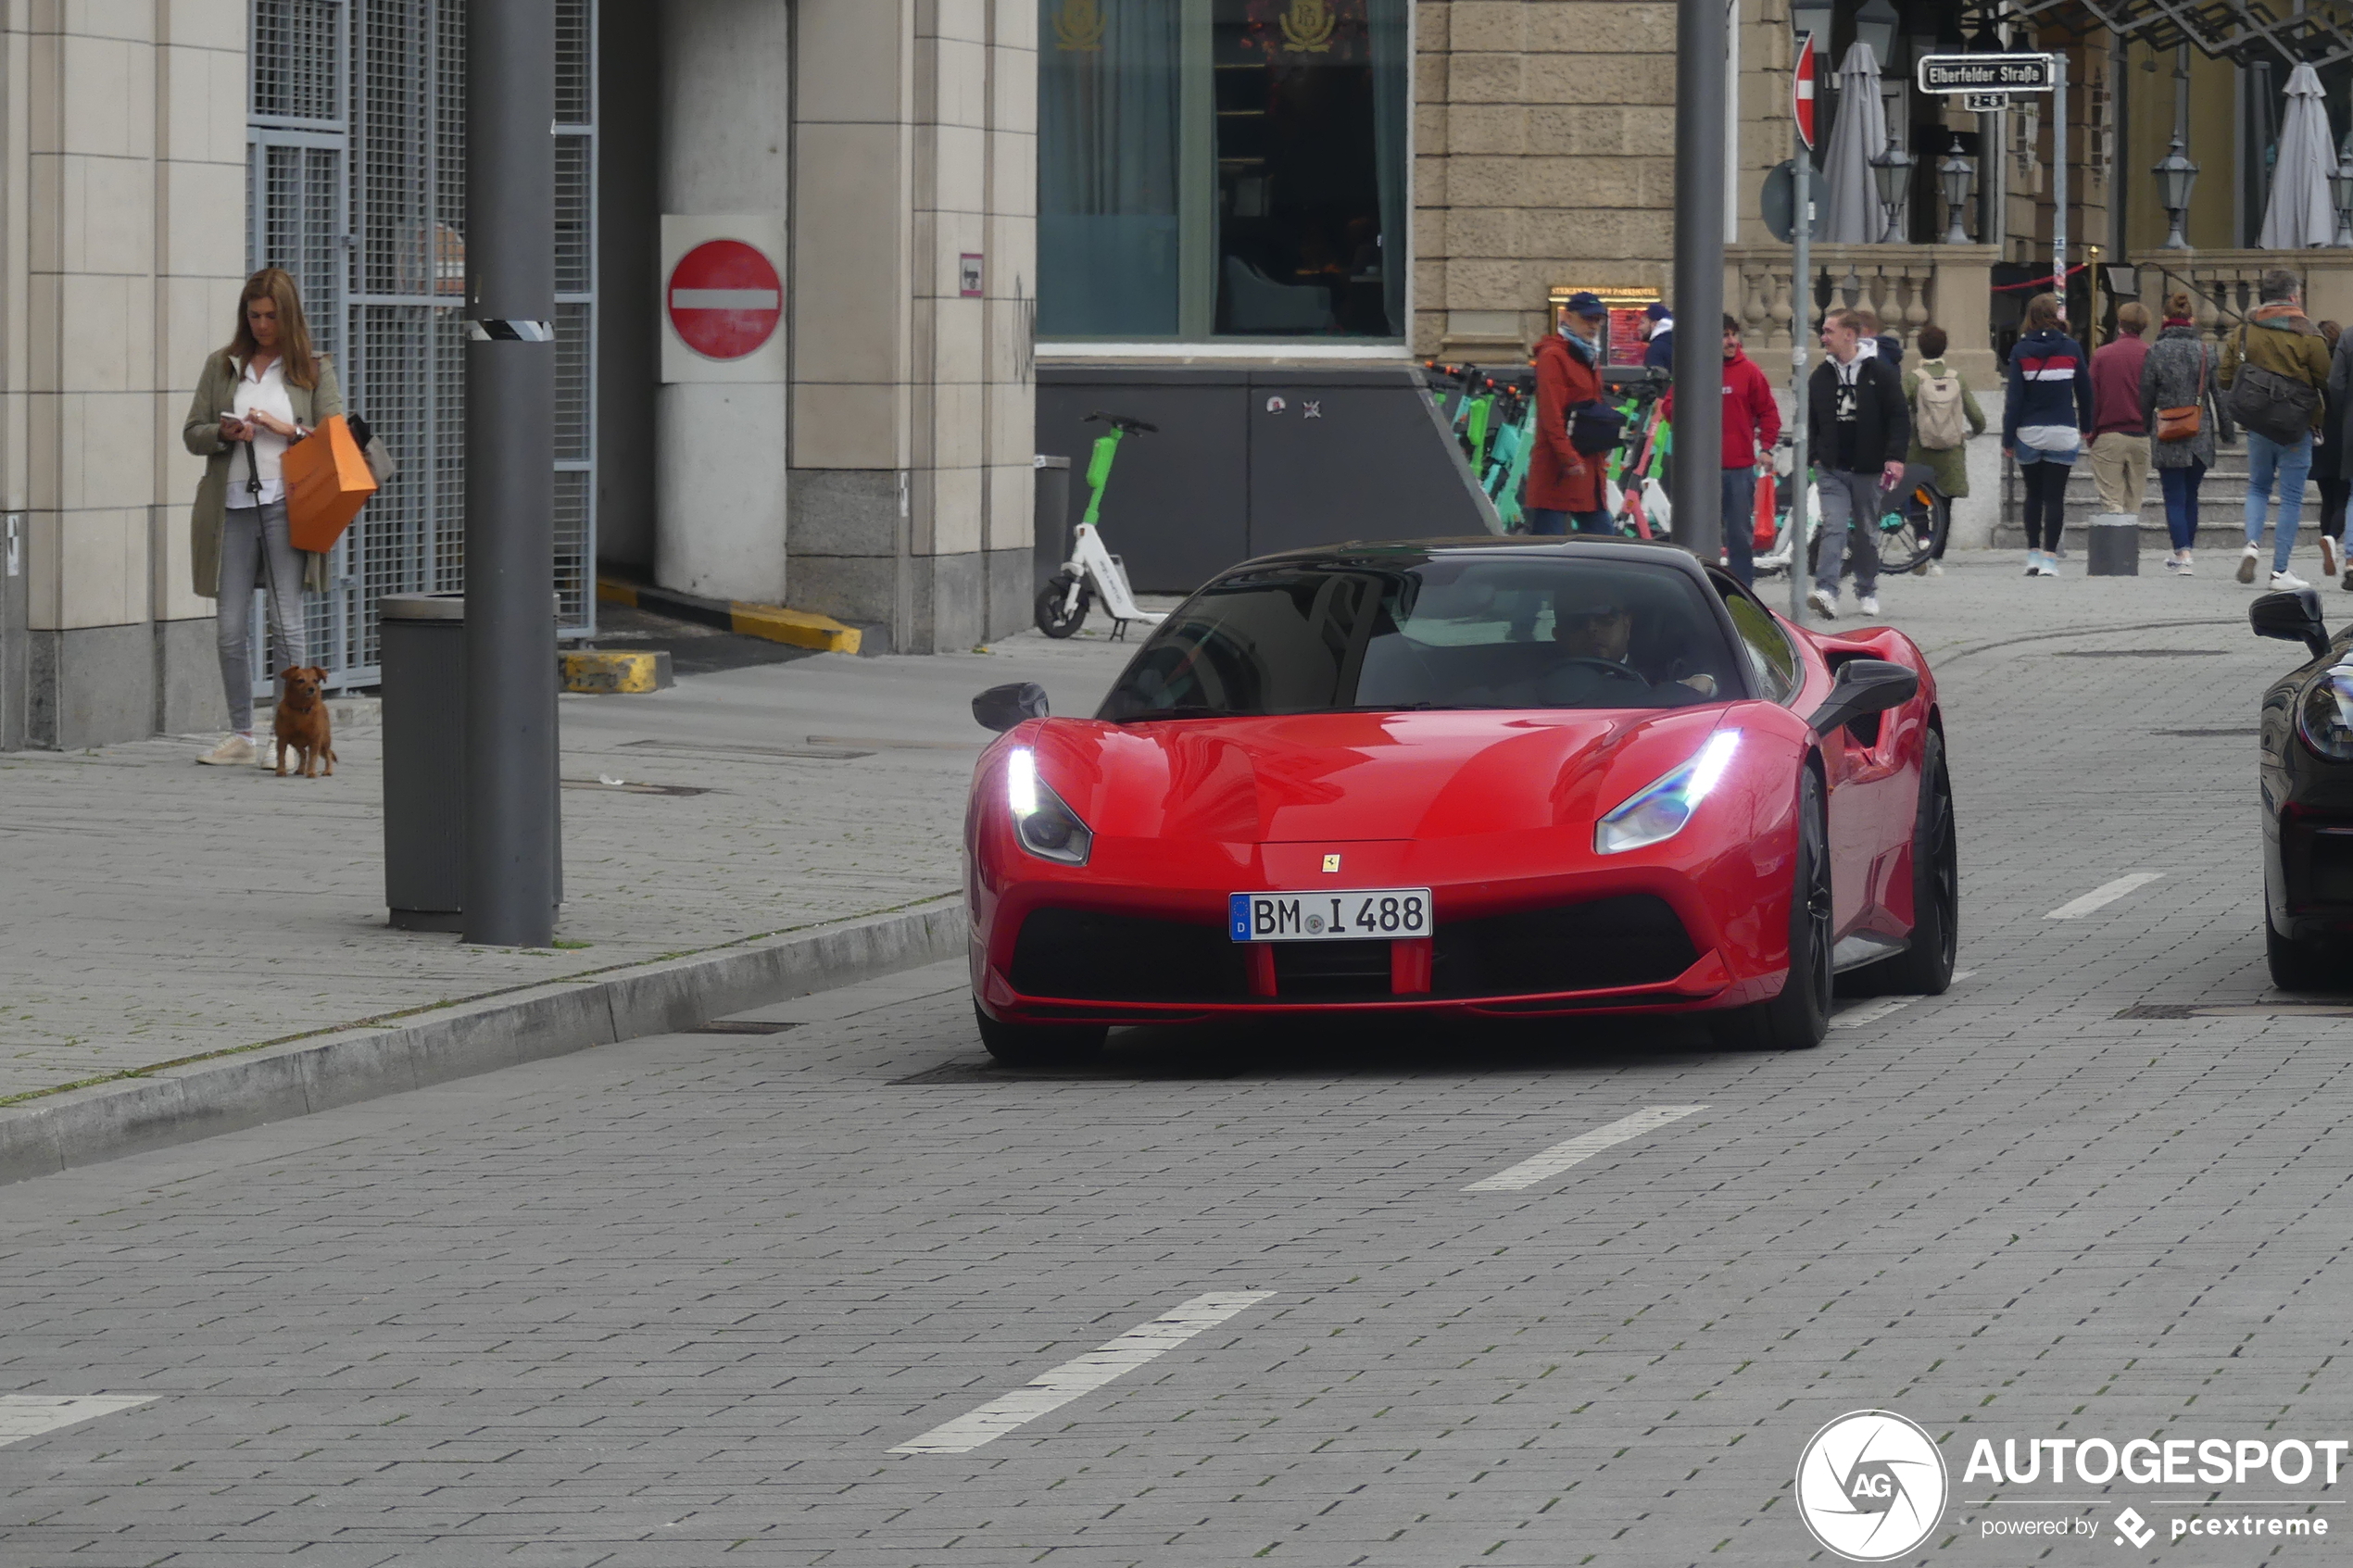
(2278,338)
(216,397)
(1951,464)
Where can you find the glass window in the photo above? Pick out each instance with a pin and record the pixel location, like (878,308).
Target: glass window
(1765,644)
(1446,631)
(1222,168)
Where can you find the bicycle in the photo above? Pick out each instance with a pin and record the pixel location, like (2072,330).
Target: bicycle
(1092,571)
(1914,517)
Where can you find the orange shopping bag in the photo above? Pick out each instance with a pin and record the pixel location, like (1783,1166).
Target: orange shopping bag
(1765,523)
(327,481)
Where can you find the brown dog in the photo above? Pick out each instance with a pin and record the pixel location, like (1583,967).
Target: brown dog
(301,722)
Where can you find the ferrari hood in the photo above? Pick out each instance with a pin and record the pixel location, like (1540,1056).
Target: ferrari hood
(1339,776)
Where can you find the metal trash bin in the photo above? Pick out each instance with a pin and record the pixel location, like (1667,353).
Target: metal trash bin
(2114,547)
(1050,512)
(423,691)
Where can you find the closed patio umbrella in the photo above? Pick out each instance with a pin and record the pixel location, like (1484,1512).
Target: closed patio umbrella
(1851,212)
(2299,212)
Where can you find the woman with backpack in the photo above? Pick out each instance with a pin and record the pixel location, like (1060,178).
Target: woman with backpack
(2178,409)
(1945,415)
(2043,423)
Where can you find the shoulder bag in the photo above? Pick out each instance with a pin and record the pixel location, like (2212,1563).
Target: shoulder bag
(2183,423)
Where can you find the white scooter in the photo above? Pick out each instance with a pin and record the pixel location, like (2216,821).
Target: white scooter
(1092,570)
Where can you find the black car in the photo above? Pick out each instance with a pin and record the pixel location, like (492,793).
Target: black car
(2308,799)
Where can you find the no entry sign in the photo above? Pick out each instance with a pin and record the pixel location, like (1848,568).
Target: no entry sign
(1800,91)
(724,300)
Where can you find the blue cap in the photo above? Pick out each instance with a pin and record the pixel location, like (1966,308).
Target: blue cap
(1586,303)
(1658,311)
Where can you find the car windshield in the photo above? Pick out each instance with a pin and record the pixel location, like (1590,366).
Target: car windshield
(1468,630)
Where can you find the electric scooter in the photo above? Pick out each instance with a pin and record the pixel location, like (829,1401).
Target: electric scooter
(1093,572)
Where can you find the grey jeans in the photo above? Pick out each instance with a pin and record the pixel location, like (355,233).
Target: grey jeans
(246,564)
(1850,501)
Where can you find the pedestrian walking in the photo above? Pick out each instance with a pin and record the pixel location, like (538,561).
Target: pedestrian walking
(1658,332)
(1564,484)
(1856,404)
(2178,411)
(2120,430)
(2274,367)
(264,391)
(2048,405)
(2336,429)
(1751,424)
(1945,415)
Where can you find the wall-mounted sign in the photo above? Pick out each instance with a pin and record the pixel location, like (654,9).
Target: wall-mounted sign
(1984,103)
(1988,73)
(1622,341)
(969,275)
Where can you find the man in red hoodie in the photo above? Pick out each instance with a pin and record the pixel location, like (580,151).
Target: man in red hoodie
(1751,424)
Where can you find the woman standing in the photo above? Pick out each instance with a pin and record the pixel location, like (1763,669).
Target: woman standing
(254,399)
(2178,374)
(2043,423)
(1950,464)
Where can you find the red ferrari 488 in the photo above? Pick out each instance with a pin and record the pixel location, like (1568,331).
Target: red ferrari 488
(1498,778)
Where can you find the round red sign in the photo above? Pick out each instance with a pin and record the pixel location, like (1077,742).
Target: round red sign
(724,300)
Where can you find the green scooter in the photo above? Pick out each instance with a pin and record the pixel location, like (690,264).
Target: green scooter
(1093,572)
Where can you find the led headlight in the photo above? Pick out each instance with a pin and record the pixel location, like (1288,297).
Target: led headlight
(1046,827)
(2325,718)
(1660,813)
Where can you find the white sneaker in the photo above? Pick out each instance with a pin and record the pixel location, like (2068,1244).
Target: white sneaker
(2047,566)
(2288,580)
(231,752)
(2247,564)
(1867,603)
(1936,569)
(265,751)
(1824,603)
(2332,560)
(2033,563)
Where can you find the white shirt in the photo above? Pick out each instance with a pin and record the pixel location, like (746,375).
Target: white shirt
(266,392)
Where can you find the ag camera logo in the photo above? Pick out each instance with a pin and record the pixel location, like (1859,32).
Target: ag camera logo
(1871,1486)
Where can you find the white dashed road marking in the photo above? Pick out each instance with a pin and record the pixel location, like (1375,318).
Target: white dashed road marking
(2106,893)
(1051,1390)
(1870,1012)
(28,1416)
(1561,1156)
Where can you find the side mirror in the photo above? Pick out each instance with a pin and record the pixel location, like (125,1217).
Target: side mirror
(2291,617)
(1001,708)
(1865,687)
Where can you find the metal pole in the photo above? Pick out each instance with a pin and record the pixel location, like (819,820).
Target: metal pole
(2059,178)
(510,836)
(1801,351)
(1701,42)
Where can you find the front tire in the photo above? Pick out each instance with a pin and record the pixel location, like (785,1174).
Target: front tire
(2298,966)
(1039,1045)
(1925,968)
(1800,1016)
(1058,613)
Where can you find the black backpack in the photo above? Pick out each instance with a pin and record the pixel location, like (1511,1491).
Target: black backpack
(2277,407)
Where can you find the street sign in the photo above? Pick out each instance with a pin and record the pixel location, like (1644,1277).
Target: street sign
(1984,103)
(724,300)
(1801,105)
(1987,73)
(1778,201)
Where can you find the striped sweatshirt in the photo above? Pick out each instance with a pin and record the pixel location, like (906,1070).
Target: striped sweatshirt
(2048,385)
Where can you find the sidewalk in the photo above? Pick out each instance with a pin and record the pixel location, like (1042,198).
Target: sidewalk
(161,911)
(157,911)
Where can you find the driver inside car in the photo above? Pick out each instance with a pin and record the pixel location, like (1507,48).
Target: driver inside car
(1601,630)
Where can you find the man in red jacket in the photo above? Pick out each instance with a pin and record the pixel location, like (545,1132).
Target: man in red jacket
(1751,424)
(1565,484)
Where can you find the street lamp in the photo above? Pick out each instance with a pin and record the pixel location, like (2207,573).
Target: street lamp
(2176,175)
(1892,169)
(1875,24)
(2341,194)
(1814,16)
(1958,175)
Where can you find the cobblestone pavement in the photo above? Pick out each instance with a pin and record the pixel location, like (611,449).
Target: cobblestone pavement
(677,1302)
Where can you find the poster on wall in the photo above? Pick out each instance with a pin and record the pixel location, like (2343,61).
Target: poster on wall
(1622,342)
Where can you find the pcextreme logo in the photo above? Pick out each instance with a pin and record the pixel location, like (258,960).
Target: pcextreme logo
(1871,1486)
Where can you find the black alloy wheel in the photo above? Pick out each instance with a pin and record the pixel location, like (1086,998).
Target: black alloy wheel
(1057,617)
(1039,1045)
(1925,968)
(1800,1016)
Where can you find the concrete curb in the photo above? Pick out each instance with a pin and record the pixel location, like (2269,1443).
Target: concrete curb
(175,1105)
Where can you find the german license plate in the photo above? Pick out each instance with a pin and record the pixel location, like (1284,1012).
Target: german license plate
(1356,916)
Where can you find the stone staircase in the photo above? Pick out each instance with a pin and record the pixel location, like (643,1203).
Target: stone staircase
(2221,512)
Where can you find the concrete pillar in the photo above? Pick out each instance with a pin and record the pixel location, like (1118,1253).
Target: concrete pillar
(720,481)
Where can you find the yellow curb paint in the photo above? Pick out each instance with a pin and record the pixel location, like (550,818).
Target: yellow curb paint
(798,627)
(613,593)
(605,671)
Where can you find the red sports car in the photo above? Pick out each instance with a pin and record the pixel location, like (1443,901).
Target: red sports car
(1493,778)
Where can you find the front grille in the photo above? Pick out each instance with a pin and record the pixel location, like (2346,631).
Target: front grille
(1089,955)
(1632,940)
(1331,971)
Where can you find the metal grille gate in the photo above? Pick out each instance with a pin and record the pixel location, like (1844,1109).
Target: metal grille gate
(356,185)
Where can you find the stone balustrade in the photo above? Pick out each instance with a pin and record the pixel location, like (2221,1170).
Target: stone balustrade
(2223,286)
(1905,286)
